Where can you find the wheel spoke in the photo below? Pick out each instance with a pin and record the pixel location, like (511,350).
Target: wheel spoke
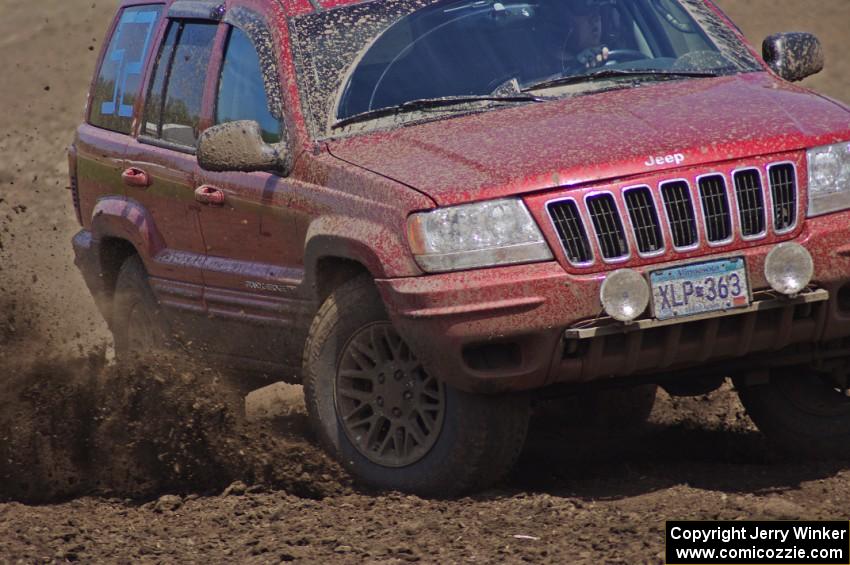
(400,442)
(390,438)
(378,340)
(364,419)
(372,436)
(427,421)
(409,444)
(356,374)
(430,381)
(414,433)
(362,356)
(394,350)
(405,353)
(354,394)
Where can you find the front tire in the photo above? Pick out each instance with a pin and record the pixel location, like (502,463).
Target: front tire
(804,414)
(390,423)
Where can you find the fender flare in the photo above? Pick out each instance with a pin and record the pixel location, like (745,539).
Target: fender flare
(125,218)
(376,247)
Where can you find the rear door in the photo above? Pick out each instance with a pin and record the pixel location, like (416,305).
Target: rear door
(163,155)
(102,141)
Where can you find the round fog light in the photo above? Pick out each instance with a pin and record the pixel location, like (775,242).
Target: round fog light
(789,268)
(624,295)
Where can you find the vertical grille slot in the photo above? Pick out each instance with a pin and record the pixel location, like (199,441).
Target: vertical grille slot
(644,220)
(680,213)
(783,190)
(750,202)
(571,230)
(608,226)
(715,208)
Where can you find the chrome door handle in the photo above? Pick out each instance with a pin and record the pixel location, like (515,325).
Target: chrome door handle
(206,194)
(135,177)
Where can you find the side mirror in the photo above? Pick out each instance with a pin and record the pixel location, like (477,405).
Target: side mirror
(239,146)
(794,55)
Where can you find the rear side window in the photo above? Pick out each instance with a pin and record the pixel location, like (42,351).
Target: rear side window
(120,73)
(176,94)
(242,93)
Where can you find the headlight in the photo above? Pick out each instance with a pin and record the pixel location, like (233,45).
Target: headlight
(829,178)
(498,232)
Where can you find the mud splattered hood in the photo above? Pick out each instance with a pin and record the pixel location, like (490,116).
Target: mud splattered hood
(597,137)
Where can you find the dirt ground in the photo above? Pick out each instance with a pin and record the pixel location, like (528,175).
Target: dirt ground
(157,463)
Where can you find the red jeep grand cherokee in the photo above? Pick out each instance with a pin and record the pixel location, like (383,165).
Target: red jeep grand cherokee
(423,210)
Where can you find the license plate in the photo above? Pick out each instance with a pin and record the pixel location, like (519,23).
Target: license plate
(699,288)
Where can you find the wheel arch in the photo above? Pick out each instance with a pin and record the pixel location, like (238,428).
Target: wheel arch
(114,252)
(332,271)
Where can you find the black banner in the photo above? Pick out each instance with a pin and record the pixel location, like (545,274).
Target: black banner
(758,543)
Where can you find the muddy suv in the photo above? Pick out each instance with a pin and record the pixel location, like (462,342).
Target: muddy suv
(425,211)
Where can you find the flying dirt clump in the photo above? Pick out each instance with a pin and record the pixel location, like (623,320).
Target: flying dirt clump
(16,323)
(75,426)
(8,322)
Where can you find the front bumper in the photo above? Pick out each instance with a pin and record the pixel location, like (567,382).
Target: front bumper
(502,329)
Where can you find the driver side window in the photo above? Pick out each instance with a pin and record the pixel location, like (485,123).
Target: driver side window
(241,93)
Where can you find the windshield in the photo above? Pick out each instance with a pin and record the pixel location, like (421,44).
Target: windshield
(361,59)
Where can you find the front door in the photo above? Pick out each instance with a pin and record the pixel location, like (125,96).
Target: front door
(253,266)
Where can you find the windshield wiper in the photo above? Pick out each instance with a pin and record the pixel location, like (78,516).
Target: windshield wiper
(615,73)
(424,103)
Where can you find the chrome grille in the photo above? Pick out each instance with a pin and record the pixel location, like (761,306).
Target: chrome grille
(733,206)
(680,213)
(750,202)
(715,208)
(608,226)
(570,228)
(644,219)
(783,190)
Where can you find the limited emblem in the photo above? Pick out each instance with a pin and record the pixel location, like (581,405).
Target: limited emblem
(268,287)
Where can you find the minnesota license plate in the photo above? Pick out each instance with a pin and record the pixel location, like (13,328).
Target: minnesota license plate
(699,288)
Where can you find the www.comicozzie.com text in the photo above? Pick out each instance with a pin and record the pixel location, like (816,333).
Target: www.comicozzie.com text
(727,534)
